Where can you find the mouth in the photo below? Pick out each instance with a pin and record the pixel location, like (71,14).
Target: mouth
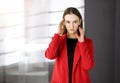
(71,29)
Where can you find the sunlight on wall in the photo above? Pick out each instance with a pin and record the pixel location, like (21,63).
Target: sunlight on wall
(31,21)
(26,28)
(11,29)
(9,6)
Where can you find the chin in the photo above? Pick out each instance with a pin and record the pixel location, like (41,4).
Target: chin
(72,32)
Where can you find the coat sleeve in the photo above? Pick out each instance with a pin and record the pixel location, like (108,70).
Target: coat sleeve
(87,54)
(53,48)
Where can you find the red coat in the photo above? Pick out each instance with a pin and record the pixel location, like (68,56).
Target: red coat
(83,60)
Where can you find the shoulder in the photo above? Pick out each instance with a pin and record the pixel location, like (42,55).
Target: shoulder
(88,40)
(63,37)
(58,38)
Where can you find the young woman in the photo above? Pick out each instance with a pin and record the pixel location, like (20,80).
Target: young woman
(72,51)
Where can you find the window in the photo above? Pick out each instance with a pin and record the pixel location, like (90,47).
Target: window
(26,28)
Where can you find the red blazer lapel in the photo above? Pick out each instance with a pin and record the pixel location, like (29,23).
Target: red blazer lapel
(64,53)
(76,56)
(65,56)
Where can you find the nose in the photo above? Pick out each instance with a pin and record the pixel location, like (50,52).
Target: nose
(71,25)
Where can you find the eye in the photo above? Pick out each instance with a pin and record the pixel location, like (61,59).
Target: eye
(75,22)
(67,21)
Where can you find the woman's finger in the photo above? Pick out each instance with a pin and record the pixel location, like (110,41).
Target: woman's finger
(81,31)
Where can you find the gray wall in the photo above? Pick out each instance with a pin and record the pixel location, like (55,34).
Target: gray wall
(117,44)
(100,26)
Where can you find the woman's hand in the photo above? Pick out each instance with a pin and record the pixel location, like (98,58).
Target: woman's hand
(81,36)
(61,29)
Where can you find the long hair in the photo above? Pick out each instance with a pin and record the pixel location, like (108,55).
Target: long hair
(72,10)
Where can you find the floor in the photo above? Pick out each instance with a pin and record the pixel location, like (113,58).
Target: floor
(33,74)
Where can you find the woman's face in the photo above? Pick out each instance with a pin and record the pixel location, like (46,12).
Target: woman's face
(71,22)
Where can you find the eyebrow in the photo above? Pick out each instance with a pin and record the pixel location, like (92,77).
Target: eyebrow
(69,21)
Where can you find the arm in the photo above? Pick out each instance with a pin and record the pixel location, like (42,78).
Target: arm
(87,54)
(53,48)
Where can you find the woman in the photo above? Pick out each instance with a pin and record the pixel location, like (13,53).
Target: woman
(72,51)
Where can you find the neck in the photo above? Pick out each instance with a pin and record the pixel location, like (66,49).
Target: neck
(73,36)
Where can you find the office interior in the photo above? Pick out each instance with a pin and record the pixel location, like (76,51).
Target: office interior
(27,26)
